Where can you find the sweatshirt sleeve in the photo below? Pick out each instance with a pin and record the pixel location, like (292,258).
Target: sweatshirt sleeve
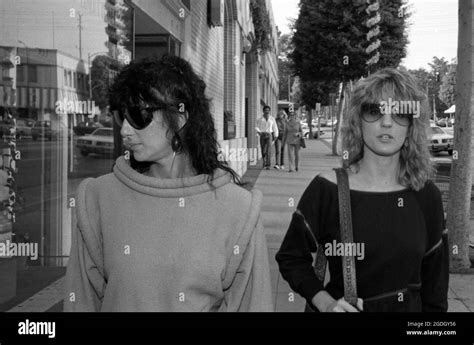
(251,289)
(295,257)
(247,287)
(84,281)
(435,265)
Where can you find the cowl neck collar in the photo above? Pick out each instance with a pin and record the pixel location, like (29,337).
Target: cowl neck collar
(170,188)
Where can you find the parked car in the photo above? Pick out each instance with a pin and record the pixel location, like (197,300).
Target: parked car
(23,127)
(323,122)
(331,123)
(42,129)
(314,129)
(449,130)
(101,141)
(84,128)
(48,129)
(445,122)
(440,140)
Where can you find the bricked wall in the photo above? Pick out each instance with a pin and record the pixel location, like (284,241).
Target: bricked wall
(230,76)
(215,53)
(207,58)
(252,93)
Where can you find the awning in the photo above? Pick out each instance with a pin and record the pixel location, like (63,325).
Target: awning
(451,109)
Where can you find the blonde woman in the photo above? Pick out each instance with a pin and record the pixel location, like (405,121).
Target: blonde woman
(292,137)
(397,213)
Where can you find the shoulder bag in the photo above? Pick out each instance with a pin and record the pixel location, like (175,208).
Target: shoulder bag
(348,262)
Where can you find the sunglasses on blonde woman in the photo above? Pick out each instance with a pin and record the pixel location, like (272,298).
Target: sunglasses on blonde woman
(371,112)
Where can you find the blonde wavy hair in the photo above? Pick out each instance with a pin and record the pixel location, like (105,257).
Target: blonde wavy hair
(415,165)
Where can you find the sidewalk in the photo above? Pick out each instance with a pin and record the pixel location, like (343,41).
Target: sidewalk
(278,187)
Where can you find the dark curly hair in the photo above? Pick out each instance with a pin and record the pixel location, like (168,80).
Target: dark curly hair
(171,84)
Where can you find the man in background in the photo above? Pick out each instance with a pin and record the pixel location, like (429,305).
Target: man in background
(279,147)
(267,130)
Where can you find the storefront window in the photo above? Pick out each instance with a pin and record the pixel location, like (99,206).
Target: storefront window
(64,130)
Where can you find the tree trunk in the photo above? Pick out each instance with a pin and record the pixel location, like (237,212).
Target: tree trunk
(340,110)
(309,119)
(458,209)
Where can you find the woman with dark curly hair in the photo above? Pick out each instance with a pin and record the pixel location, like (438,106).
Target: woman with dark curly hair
(170,229)
(399,237)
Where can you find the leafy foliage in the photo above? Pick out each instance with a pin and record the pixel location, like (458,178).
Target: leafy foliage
(101,69)
(431,81)
(261,23)
(330,40)
(447,90)
(284,65)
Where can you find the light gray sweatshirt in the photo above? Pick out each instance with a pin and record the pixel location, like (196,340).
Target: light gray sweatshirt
(148,244)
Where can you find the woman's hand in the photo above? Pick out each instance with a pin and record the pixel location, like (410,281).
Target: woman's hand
(325,303)
(341,306)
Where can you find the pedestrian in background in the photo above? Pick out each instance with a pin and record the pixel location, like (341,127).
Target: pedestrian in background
(279,147)
(292,137)
(171,229)
(397,211)
(267,130)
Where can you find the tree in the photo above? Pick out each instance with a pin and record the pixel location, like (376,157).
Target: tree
(458,210)
(102,70)
(284,64)
(261,23)
(448,86)
(422,76)
(296,91)
(328,46)
(393,32)
(431,82)
(330,42)
(439,68)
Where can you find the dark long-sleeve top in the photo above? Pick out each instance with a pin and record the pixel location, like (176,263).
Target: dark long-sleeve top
(281,124)
(406,261)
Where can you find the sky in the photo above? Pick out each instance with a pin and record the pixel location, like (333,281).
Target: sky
(433,30)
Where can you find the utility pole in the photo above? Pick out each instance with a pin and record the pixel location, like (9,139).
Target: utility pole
(434,109)
(80,36)
(27,77)
(52,23)
(289,89)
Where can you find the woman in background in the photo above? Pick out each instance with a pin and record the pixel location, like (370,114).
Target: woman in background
(279,145)
(292,137)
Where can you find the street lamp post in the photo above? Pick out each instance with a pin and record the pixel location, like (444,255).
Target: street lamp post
(27,77)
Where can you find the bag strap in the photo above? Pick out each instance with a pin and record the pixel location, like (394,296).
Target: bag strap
(345,221)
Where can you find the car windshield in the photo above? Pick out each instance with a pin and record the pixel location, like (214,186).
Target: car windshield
(436,130)
(103,132)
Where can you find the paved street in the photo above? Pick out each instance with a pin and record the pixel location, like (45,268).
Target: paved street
(41,162)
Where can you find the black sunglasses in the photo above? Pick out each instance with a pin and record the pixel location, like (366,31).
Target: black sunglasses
(137,117)
(372,112)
